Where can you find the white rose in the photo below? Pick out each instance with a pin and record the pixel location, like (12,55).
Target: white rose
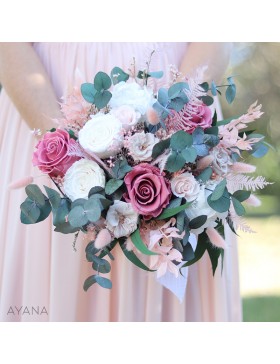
(121,219)
(185,185)
(221,161)
(132,94)
(200,207)
(141,145)
(126,115)
(81,177)
(102,135)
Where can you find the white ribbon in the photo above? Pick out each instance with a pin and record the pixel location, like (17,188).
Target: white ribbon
(178,285)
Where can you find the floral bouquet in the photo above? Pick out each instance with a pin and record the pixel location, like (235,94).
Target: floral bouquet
(147,170)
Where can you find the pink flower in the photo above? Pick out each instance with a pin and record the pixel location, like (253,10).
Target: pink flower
(51,156)
(200,116)
(147,190)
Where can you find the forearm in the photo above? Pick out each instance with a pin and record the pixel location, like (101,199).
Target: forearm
(213,55)
(27,84)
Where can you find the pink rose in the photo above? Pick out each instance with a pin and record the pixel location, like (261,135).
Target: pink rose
(182,120)
(147,190)
(51,156)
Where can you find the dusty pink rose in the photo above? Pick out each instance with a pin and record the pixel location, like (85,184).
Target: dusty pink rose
(147,190)
(51,156)
(183,120)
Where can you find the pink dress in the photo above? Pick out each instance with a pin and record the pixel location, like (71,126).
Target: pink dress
(41,277)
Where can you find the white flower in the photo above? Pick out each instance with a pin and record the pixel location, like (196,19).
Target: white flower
(121,219)
(132,94)
(185,185)
(221,161)
(81,177)
(200,207)
(126,115)
(102,135)
(141,145)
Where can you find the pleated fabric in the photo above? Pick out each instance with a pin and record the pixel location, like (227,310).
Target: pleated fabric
(40,269)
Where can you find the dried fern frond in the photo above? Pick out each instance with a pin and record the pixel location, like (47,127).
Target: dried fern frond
(240,181)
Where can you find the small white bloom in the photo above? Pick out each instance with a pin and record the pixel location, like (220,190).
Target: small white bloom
(126,115)
(81,177)
(132,94)
(121,219)
(102,135)
(221,161)
(200,207)
(185,185)
(141,146)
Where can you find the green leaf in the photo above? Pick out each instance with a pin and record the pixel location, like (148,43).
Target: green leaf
(157,74)
(214,130)
(177,104)
(88,92)
(230,93)
(112,185)
(91,250)
(175,89)
(99,261)
(77,217)
(175,162)
(53,196)
(121,168)
(205,86)
(103,202)
(172,211)
(134,259)
(60,213)
(160,147)
(189,154)
(181,221)
(72,134)
(199,251)
(219,190)
(78,202)
(222,204)
(30,212)
(197,222)
(89,282)
(188,253)
(35,194)
(44,211)
(139,244)
(92,210)
(259,150)
(102,98)
(94,190)
(65,228)
(181,140)
(174,203)
(238,207)
(103,282)
(214,119)
(214,254)
(241,195)
(205,175)
(118,75)
(102,81)
(207,100)
(227,121)
(213,88)
(104,268)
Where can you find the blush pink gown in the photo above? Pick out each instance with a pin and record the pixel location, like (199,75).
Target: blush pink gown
(39,269)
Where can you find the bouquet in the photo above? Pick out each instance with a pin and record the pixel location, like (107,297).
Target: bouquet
(147,169)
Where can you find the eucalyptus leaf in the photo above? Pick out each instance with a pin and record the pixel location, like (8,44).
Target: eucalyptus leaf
(96,189)
(163,96)
(176,104)
(35,194)
(30,212)
(118,75)
(160,147)
(156,74)
(102,98)
(181,140)
(175,162)
(121,168)
(89,282)
(189,154)
(60,213)
(214,130)
(241,195)
(205,86)
(213,88)
(77,217)
(103,282)
(88,92)
(222,204)
(102,81)
(230,93)
(174,203)
(104,268)
(92,210)
(44,211)
(238,207)
(176,88)
(207,100)
(219,190)
(205,175)
(112,185)
(65,228)
(53,196)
